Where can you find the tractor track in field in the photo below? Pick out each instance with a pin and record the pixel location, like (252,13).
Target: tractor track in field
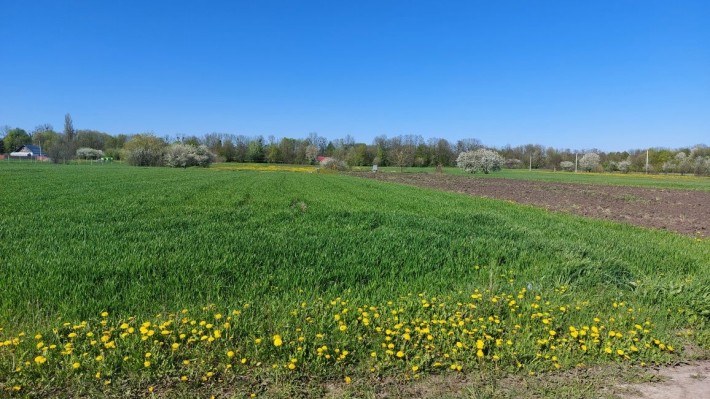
(683,211)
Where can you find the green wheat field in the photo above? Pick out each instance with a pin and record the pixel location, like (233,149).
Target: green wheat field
(199,282)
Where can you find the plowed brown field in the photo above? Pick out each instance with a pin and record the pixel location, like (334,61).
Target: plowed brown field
(683,211)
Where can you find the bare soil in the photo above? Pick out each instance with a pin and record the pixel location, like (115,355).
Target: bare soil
(682,211)
(687,381)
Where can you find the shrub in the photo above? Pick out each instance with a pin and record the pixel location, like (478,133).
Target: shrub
(567,165)
(480,160)
(701,166)
(624,166)
(513,163)
(333,164)
(589,162)
(89,153)
(185,155)
(144,150)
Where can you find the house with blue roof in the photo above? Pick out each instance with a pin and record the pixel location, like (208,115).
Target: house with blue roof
(29,151)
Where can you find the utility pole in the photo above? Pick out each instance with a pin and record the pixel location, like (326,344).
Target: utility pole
(646,161)
(530,167)
(575,162)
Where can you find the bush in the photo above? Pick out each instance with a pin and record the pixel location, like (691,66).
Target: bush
(567,165)
(89,153)
(701,167)
(513,163)
(185,155)
(589,162)
(624,166)
(480,160)
(334,164)
(144,150)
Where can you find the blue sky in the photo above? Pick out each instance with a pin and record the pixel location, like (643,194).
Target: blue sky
(612,75)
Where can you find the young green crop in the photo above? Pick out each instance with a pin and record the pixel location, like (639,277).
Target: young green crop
(79,240)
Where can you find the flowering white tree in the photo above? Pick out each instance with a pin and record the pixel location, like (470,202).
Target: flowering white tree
(480,160)
(590,161)
(567,165)
(184,155)
(89,153)
(624,166)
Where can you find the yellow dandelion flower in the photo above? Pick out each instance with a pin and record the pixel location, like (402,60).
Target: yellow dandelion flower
(40,360)
(146,364)
(400,354)
(76,365)
(277,340)
(348,380)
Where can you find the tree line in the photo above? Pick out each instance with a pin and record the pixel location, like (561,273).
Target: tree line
(401,151)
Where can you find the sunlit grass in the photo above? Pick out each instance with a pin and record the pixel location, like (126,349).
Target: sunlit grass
(318,260)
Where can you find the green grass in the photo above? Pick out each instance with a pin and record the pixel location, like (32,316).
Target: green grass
(76,240)
(660,181)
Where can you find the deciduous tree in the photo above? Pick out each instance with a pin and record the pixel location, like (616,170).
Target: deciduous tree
(481,160)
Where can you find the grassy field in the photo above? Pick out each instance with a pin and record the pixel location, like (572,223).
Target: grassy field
(661,181)
(205,280)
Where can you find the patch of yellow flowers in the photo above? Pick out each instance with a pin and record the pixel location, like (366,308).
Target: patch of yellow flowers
(408,336)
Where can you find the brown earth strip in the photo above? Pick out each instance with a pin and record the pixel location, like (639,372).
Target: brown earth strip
(682,211)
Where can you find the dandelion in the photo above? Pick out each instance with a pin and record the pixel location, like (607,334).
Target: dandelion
(277,340)
(146,364)
(40,360)
(400,354)
(348,380)
(76,365)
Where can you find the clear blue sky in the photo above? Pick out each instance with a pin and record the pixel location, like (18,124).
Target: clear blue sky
(613,75)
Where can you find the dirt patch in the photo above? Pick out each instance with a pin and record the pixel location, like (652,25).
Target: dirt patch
(687,381)
(683,211)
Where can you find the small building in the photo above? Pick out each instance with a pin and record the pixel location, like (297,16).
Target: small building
(29,151)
